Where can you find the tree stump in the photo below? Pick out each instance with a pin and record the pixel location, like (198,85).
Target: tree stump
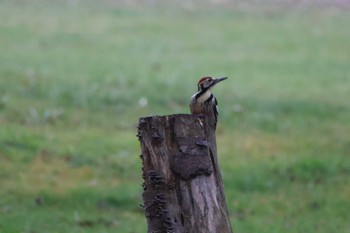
(183,188)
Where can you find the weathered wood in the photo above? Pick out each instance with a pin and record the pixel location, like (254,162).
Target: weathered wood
(183,189)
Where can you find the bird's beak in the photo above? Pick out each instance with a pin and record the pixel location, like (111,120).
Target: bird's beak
(217,80)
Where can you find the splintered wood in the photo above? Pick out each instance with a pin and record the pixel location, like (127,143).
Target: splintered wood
(183,189)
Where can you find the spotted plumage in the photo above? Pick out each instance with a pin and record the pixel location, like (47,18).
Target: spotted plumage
(204,102)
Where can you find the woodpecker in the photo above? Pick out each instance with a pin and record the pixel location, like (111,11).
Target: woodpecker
(204,102)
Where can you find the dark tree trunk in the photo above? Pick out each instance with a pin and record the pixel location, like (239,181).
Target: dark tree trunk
(183,188)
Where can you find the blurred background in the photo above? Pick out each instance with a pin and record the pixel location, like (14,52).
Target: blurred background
(76,75)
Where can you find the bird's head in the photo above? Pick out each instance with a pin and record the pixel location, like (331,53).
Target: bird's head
(206,83)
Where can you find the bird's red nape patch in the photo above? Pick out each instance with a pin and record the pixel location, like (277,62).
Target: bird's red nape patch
(203,79)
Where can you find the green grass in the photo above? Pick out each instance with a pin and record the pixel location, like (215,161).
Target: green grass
(72,76)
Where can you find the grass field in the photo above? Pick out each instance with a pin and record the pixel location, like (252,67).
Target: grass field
(73,75)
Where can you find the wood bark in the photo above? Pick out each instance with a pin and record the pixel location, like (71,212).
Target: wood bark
(183,188)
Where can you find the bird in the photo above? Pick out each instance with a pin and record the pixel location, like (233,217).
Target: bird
(204,102)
